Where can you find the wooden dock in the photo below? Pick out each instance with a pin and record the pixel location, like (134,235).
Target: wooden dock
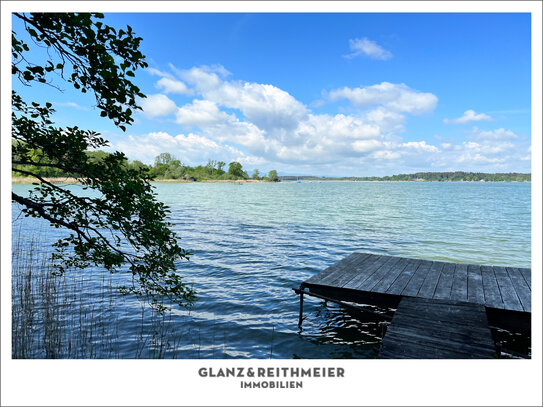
(506,288)
(441,307)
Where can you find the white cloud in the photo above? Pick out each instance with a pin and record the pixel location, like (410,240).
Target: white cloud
(478,159)
(469,116)
(496,135)
(395,97)
(201,77)
(327,138)
(364,46)
(157,105)
(420,146)
(200,113)
(278,127)
(242,133)
(386,155)
(491,142)
(190,148)
(71,104)
(264,105)
(156,72)
(261,124)
(364,146)
(493,150)
(173,86)
(388,121)
(214,69)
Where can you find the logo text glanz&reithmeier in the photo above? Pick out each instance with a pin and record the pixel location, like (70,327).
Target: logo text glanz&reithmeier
(272,373)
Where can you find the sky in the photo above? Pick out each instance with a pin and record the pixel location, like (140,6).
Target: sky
(355,94)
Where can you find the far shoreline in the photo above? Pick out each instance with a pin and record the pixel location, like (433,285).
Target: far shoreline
(67,180)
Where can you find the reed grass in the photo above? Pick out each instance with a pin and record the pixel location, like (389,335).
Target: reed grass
(67,317)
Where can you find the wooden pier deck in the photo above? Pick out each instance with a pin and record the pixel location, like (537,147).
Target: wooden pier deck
(436,329)
(507,288)
(441,308)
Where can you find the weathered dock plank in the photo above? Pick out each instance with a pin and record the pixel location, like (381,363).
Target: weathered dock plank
(507,290)
(384,284)
(475,285)
(349,272)
(330,273)
(444,285)
(433,329)
(442,324)
(403,279)
(491,290)
(422,347)
(527,274)
(337,267)
(358,279)
(521,287)
(428,288)
(373,279)
(407,350)
(459,290)
(460,342)
(413,286)
(454,314)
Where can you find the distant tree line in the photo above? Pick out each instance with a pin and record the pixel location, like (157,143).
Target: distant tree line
(457,176)
(166,166)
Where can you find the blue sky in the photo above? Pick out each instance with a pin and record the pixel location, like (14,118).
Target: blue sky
(326,94)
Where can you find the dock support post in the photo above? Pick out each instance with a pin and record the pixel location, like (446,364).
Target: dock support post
(300,320)
(384,327)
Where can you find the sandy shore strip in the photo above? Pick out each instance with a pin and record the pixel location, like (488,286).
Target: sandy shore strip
(32,180)
(67,180)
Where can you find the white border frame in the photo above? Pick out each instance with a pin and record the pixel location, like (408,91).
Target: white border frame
(367,382)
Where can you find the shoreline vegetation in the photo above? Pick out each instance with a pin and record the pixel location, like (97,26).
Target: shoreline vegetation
(456,176)
(168,168)
(71,180)
(68,180)
(479,177)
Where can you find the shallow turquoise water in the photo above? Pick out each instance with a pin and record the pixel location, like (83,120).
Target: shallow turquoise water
(253,242)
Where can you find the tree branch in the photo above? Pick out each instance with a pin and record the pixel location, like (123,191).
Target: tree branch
(38,207)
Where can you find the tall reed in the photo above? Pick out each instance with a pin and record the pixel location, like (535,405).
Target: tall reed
(76,315)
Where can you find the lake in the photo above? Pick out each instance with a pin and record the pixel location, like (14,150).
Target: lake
(253,242)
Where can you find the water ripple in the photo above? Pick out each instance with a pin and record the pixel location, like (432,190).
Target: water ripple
(252,243)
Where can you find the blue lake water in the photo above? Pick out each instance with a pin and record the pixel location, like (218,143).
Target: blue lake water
(252,243)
